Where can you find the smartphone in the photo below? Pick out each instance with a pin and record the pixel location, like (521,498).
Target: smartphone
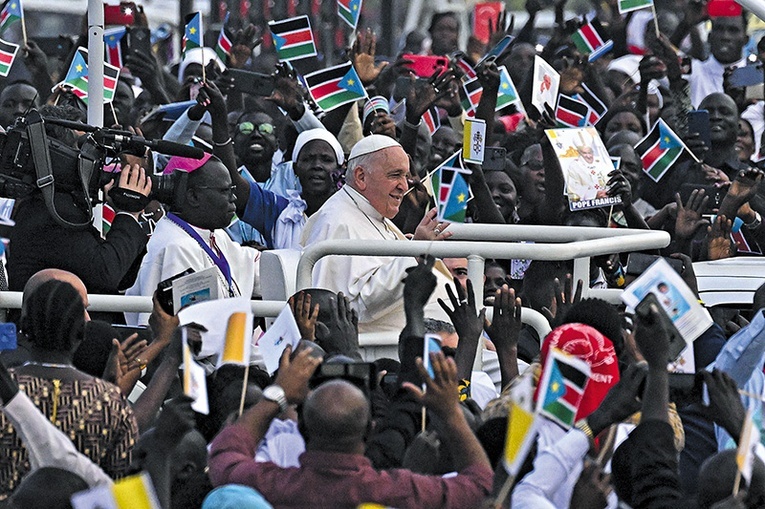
(684,388)
(723,8)
(637,263)
(432,345)
(716,195)
(253,83)
(494,158)
(139,40)
(122,14)
(8,336)
(56,47)
(424,66)
(676,342)
(125,331)
(698,122)
(403,85)
(746,76)
(165,291)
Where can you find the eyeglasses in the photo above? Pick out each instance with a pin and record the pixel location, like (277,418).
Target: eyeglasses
(249,127)
(228,191)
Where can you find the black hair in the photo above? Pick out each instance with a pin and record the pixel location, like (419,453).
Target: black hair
(55,317)
(612,112)
(601,316)
(438,16)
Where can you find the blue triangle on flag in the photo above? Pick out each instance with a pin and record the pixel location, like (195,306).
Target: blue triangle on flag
(352,83)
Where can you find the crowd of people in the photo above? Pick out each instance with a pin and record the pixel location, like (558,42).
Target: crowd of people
(85,404)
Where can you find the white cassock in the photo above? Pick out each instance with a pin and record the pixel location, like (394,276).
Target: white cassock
(373,284)
(584,180)
(171,251)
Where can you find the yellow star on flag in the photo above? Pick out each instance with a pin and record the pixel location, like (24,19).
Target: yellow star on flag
(192,30)
(351,82)
(505,85)
(555,386)
(355,7)
(79,67)
(461,197)
(13,6)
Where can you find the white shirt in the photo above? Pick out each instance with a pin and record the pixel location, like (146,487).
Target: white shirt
(373,284)
(171,251)
(707,77)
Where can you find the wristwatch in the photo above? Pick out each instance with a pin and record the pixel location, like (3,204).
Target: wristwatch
(755,223)
(276,394)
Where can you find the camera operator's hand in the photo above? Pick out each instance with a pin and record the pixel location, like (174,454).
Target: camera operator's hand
(134,180)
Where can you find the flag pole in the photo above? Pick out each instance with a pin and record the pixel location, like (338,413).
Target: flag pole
(504,492)
(23,28)
(244,388)
(655,21)
(114,113)
(96,63)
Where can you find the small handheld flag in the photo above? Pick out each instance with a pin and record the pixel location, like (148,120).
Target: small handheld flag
(10,13)
(432,120)
(521,425)
(134,492)
(192,34)
(473,92)
(659,150)
(8,53)
(633,5)
(561,388)
(508,94)
(571,112)
(223,47)
(451,189)
(474,140)
(591,39)
(293,38)
(349,11)
(236,348)
(374,104)
(113,42)
(335,86)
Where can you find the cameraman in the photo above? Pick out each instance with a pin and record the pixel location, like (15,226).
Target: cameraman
(38,242)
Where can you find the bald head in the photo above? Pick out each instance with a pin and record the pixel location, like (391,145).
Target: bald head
(335,417)
(45,275)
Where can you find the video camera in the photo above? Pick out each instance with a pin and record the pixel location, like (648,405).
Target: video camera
(30,160)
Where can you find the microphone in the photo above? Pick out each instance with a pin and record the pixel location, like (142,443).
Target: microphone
(162,146)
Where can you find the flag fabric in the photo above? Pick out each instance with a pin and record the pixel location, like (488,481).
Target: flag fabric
(521,425)
(349,11)
(747,445)
(597,107)
(113,45)
(474,140)
(545,85)
(8,52)
(168,112)
(376,103)
(133,492)
(194,379)
(451,189)
(236,347)
(659,150)
(571,112)
(473,93)
(335,86)
(107,217)
(562,387)
(192,34)
(77,77)
(10,12)
(507,94)
(742,243)
(465,67)
(293,38)
(432,120)
(223,47)
(633,5)
(591,39)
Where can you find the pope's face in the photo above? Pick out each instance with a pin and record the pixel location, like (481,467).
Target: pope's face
(385,181)
(587,155)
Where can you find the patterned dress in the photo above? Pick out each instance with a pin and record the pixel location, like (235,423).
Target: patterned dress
(92,412)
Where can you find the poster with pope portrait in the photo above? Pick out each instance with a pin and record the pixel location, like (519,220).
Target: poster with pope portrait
(586,164)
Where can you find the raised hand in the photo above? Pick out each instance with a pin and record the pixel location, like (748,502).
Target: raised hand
(441,395)
(623,400)
(618,185)
(719,243)
(341,334)
(423,95)
(462,313)
(688,219)
(242,43)
(419,283)
(293,375)
(651,337)
(725,407)
(304,314)
(363,57)
(288,94)
(563,299)
(431,228)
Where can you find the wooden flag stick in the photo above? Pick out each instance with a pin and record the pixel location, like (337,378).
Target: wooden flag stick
(114,113)
(23,28)
(606,446)
(244,388)
(504,492)
(655,21)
